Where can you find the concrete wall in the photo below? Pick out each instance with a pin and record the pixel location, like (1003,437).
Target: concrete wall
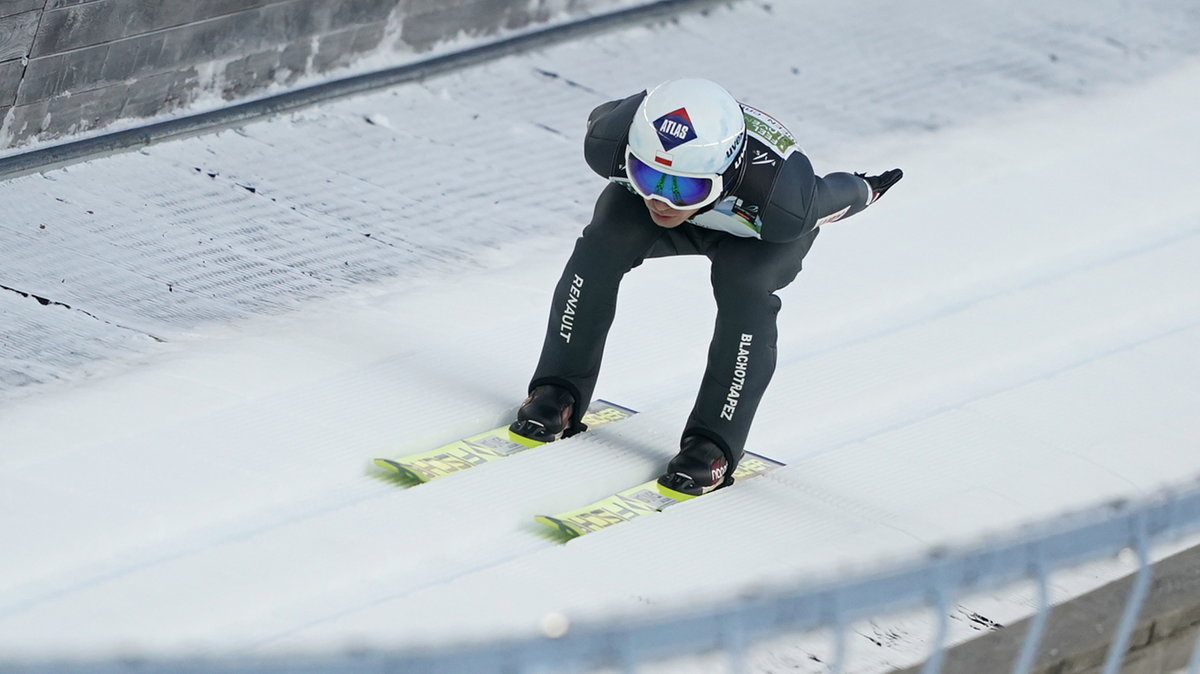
(74,66)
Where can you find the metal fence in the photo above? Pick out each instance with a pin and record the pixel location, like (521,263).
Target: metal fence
(1034,553)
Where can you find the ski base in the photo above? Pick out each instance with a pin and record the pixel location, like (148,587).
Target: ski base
(648,497)
(492,445)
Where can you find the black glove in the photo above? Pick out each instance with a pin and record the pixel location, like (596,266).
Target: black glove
(880,183)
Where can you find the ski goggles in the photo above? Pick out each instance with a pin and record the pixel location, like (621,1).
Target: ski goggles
(679,191)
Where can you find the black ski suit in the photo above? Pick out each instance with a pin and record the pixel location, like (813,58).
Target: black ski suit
(756,236)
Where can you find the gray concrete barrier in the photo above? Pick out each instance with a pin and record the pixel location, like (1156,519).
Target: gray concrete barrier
(71,67)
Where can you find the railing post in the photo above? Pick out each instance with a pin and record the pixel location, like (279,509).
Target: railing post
(626,658)
(945,575)
(837,623)
(733,635)
(1037,627)
(1137,594)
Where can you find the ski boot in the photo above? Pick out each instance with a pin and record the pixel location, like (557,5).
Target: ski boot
(700,466)
(547,415)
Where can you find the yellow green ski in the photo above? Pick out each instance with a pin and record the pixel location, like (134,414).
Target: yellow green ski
(490,446)
(648,497)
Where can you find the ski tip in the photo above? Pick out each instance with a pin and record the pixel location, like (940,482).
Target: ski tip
(564,530)
(407,474)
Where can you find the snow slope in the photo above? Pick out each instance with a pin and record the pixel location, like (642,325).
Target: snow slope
(1010,333)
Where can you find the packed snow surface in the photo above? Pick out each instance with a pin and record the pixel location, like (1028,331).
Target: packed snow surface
(204,343)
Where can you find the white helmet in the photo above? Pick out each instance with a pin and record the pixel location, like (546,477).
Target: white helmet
(692,131)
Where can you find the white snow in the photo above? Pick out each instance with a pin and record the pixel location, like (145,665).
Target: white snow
(1010,333)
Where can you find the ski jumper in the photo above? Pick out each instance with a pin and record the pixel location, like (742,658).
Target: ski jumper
(755,236)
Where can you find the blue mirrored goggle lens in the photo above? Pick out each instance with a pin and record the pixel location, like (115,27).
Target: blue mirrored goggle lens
(679,190)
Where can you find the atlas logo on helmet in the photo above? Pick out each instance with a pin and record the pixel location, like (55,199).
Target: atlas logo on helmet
(674,129)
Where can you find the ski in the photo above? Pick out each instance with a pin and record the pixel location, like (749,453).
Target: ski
(489,446)
(648,497)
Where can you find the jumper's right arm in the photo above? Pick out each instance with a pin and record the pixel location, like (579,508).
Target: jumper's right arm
(803,201)
(840,195)
(836,188)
